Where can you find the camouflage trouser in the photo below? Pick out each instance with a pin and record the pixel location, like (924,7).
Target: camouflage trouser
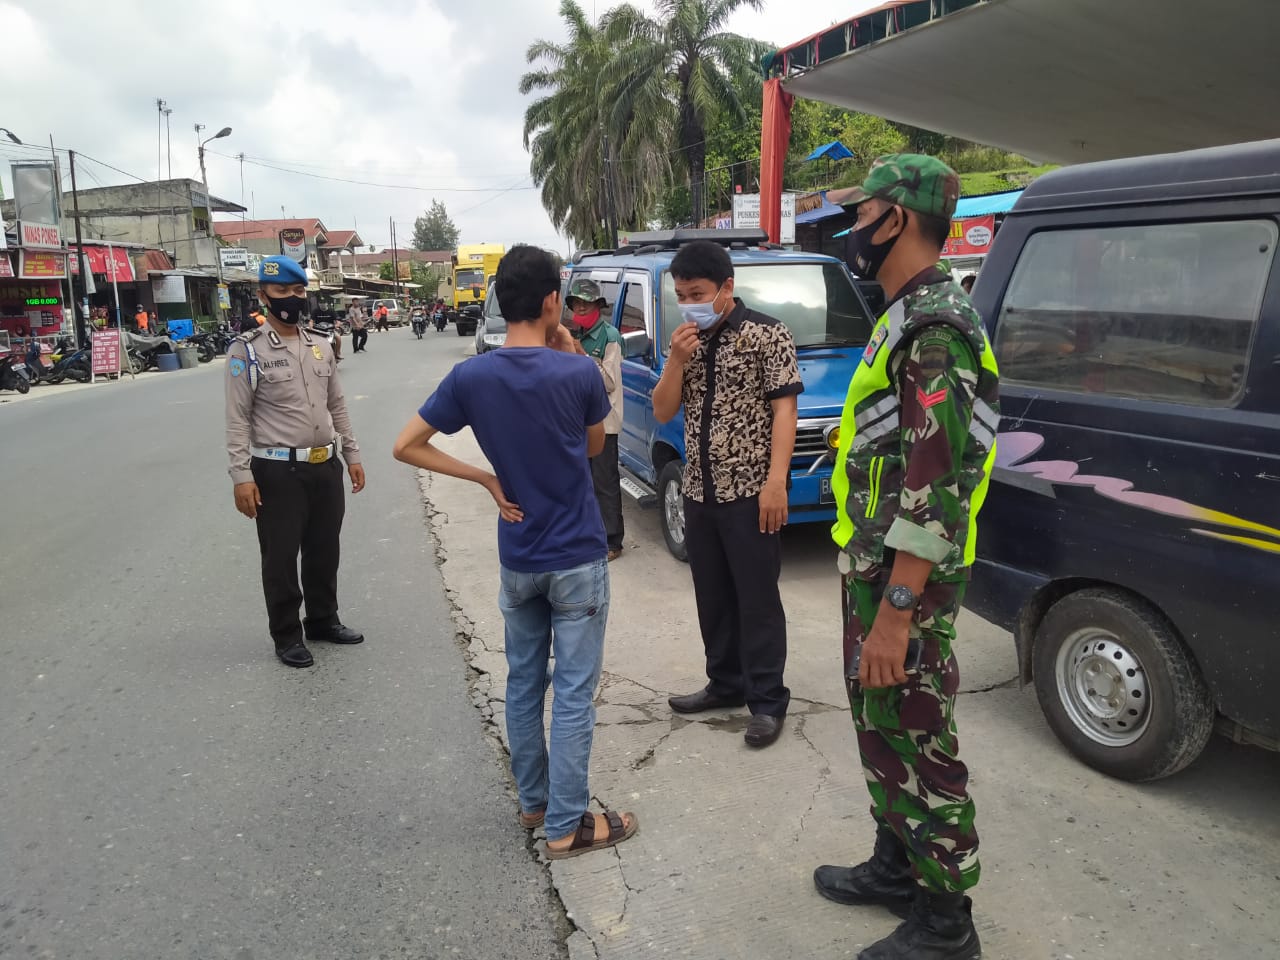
(907,740)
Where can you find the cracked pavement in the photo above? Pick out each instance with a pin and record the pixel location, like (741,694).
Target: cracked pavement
(1074,865)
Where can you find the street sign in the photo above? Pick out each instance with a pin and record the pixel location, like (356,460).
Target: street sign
(293,243)
(106,351)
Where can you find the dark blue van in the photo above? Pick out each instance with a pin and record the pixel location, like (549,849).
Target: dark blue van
(1131,537)
(816,298)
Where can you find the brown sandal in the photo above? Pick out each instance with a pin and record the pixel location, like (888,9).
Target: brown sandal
(531,821)
(584,841)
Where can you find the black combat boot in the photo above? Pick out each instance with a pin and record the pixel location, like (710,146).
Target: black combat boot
(884,880)
(940,927)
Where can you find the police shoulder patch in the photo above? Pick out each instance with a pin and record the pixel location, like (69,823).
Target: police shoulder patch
(236,366)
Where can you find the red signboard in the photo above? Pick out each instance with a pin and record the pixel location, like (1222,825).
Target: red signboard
(970,237)
(6,266)
(106,351)
(41,266)
(101,260)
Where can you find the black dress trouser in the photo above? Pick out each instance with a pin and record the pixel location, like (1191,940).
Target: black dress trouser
(606,479)
(735,571)
(302,509)
(358,339)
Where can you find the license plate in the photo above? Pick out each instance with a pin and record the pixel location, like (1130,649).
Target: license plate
(825,495)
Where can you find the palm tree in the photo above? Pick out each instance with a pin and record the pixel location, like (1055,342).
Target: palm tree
(677,70)
(587,156)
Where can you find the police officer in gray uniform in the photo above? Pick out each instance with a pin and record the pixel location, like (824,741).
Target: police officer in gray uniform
(285,416)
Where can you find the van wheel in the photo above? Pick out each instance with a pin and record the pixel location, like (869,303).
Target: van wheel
(671,505)
(1118,688)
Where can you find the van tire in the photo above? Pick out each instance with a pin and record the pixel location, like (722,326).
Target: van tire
(1144,676)
(671,509)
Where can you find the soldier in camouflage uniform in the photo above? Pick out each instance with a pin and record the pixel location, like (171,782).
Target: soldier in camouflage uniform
(916,445)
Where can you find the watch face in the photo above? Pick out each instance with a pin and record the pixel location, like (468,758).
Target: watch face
(901,598)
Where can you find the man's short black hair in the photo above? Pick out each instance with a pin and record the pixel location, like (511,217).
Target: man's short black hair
(934,229)
(702,260)
(525,276)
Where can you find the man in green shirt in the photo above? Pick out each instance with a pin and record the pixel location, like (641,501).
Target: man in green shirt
(916,446)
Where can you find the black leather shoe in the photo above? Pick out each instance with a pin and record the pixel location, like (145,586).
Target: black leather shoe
(884,880)
(295,656)
(762,730)
(940,927)
(703,700)
(336,634)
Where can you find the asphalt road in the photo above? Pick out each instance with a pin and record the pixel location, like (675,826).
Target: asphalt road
(167,789)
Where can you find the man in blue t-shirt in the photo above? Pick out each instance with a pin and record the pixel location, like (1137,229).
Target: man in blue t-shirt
(537,407)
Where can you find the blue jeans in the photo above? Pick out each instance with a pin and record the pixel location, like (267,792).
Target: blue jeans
(564,611)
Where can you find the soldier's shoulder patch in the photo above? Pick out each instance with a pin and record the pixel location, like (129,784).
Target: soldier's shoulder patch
(873,345)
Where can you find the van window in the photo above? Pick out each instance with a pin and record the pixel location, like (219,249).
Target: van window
(633,309)
(609,289)
(816,301)
(1156,311)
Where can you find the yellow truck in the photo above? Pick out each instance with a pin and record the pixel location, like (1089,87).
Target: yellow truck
(474,266)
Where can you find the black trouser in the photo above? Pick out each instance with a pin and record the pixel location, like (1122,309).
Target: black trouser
(302,509)
(358,339)
(735,582)
(607,481)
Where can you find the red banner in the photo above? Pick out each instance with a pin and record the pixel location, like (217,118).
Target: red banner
(970,237)
(6,265)
(101,260)
(106,351)
(41,266)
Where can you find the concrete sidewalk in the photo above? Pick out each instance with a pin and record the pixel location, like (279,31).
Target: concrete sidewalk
(1074,865)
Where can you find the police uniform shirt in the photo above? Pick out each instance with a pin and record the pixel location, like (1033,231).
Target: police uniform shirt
(298,401)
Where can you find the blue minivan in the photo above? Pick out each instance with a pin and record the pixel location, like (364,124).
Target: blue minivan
(1131,536)
(814,295)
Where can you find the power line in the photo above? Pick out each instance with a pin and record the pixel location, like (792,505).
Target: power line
(339,166)
(369,183)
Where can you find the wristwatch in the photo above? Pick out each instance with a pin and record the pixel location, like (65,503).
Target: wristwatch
(901,598)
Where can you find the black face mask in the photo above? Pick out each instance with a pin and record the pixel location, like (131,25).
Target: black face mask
(864,257)
(287,309)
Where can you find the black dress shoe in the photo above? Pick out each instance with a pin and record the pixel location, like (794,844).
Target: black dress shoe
(762,730)
(336,634)
(295,656)
(703,700)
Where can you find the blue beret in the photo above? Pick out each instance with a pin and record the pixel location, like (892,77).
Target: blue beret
(284,270)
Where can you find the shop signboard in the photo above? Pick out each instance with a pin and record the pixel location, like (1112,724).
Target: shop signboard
(44,236)
(746,214)
(41,266)
(970,237)
(6,266)
(105,351)
(169,289)
(234,258)
(293,243)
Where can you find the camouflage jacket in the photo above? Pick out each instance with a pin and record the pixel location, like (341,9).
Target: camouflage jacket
(917,437)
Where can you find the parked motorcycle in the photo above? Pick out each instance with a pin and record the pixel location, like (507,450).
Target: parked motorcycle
(69,362)
(142,351)
(13,374)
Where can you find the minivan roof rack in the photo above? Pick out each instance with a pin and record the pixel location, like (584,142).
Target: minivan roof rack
(674,239)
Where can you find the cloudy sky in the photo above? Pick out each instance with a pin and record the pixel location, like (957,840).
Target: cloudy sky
(416,99)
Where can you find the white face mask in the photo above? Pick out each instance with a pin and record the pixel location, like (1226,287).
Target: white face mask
(704,315)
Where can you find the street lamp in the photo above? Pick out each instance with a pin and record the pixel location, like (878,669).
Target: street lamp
(204,178)
(11,135)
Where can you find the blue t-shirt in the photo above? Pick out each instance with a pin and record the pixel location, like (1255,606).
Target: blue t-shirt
(530,408)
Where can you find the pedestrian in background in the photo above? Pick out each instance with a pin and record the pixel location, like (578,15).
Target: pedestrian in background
(537,406)
(593,328)
(735,372)
(917,442)
(384,318)
(286,415)
(140,320)
(359,335)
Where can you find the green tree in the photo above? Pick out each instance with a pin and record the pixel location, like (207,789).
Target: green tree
(386,270)
(575,135)
(434,230)
(678,73)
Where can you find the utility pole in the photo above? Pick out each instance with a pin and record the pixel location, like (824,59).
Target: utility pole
(395,259)
(610,213)
(57,170)
(84,266)
(240,157)
(168,142)
(160,105)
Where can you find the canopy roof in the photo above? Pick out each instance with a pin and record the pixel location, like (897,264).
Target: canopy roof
(1061,81)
